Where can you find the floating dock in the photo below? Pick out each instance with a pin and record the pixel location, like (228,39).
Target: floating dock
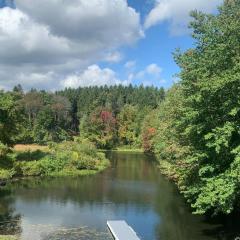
(121,230)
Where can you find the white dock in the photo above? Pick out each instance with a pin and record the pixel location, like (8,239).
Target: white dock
(122,231)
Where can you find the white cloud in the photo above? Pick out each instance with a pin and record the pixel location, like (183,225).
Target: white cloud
(130,65)
(62,37)
(177,12)
(114,57)
(22,39)
(95,21)
(28,77)
(38,80)
(151,70)
(92,76)
(149,76)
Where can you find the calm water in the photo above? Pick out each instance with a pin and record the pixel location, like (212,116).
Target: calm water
(78,208)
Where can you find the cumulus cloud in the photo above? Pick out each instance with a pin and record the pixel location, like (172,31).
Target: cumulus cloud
(151,75)
(177,12)
(22,40)
(152,69)
(93,76)
(130,65)
(113,57)
(61,37)
(107,20)
(29,77)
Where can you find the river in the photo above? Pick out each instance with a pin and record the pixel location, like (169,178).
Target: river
(132,189)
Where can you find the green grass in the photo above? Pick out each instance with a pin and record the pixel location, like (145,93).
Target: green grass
(135,150)
(73,173)
(30,147)
(125,149)
(8,237)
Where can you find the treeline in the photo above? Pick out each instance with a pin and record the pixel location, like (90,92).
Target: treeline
(33,117)
(195,132)
(107,116)
(72,124)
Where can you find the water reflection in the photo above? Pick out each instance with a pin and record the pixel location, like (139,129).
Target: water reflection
(10,221)
(132,190)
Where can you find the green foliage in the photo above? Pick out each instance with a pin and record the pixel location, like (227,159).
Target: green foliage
(8,238)
(6,162)
(167,140)
(68,158)
(3,151)
(46,117)
(41,117)
(46,129)
(198,130)
(6,174)
(28,168)
(9,118)
(100,128)
(107,131)
(149,131)
(129,122)
(86,103)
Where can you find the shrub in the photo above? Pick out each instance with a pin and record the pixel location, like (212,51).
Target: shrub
(67,158)
(30,168)
(3,150)
(6,174)
(82,161)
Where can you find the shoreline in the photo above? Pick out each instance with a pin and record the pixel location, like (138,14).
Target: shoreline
(136,150)
(29,161)
(66,173)
(8,237)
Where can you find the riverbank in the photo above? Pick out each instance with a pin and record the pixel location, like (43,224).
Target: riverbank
(124,149)
(134,150)
(56,160)
(8,237)
(168,170)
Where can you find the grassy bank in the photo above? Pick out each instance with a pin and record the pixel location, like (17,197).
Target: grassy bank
(136,150)
(8,237)
(124,149)
(30,147)
(65,159)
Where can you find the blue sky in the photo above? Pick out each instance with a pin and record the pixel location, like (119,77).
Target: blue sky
(56,44)
(156,47)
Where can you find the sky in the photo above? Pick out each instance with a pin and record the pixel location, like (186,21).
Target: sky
(56,44)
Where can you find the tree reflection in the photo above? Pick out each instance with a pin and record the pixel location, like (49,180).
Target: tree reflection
(10,223)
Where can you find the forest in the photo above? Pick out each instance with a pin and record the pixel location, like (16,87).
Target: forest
(73,124)
(197,127)
(107,116)
(193,128)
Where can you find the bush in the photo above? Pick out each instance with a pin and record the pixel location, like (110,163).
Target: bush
(68,158)
(3,150)
(82,161)
(30,168)
(6,174)
(51,164)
